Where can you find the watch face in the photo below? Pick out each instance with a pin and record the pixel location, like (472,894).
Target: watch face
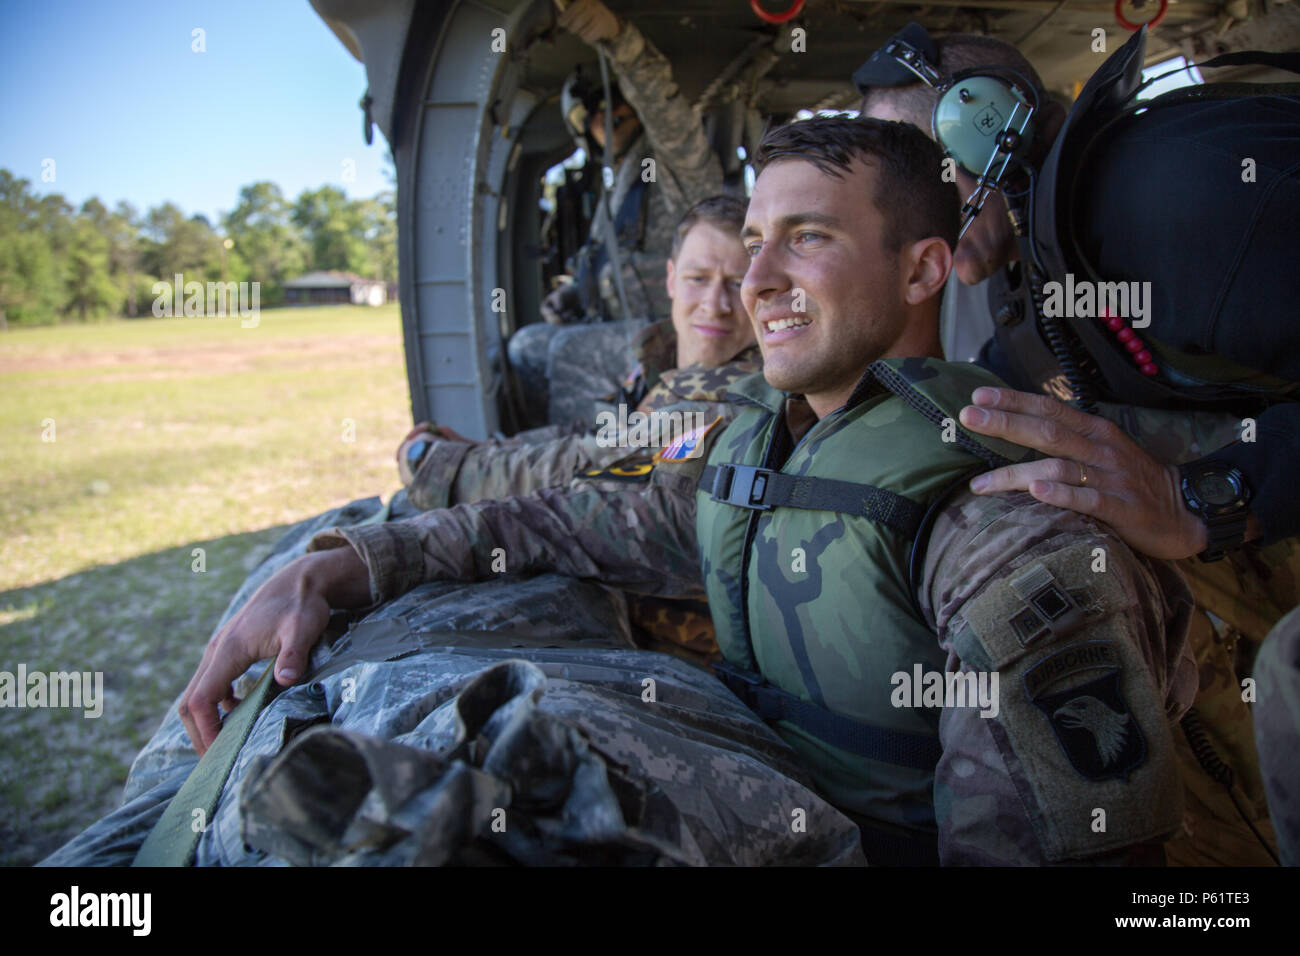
(1216,487)
(415,453)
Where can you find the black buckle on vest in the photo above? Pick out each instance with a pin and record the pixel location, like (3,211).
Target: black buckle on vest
(744,486)
(749,687)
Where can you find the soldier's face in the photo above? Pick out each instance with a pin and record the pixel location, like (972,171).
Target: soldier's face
(704,284)
(626,127)
(990,243)
(824,294)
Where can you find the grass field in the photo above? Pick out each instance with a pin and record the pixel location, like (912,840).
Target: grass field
(123,447)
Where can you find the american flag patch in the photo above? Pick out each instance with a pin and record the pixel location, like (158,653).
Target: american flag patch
(687,446)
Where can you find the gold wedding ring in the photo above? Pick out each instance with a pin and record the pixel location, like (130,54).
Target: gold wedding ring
(1083,474)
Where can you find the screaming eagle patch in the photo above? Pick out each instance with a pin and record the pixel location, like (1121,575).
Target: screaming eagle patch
(1078,690)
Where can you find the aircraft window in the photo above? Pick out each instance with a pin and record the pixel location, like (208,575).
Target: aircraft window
(554,177)
(1185,75)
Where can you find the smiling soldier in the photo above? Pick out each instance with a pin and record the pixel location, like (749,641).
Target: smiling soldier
(832,529)
(684,364)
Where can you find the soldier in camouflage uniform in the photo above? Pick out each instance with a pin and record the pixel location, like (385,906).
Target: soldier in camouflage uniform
(663,164)
(684,367)
(681,364)
(1238,599)
(456,471)
(1074,763)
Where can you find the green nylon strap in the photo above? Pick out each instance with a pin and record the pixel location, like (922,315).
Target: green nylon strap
(174,840)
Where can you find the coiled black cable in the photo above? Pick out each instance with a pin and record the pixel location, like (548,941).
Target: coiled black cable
(1213,765)
(1064,346)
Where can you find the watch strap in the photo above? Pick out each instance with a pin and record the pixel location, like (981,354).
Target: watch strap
(1224,533)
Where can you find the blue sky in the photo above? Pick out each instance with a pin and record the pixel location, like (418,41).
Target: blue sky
(115,95)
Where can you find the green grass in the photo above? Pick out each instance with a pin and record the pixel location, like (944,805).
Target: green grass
(169,435)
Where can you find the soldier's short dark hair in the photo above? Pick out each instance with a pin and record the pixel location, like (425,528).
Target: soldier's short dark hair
(911,193)
(724,213)
(958,51)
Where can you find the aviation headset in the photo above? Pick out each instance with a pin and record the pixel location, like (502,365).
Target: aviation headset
(983,118)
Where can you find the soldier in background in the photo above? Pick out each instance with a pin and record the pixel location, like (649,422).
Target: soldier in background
(1127,476)
(662,165)
(684,363)
(685,366)
(800,521)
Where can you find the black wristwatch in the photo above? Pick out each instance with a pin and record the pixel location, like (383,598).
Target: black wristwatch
(1217,493)
(415,454)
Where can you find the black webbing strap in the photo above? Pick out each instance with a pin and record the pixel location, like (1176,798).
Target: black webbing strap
(898,747)
(1288,60)
(761,489)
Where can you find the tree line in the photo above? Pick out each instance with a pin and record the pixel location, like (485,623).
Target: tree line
(60,263)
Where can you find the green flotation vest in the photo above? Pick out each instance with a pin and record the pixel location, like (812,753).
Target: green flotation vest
(807,554)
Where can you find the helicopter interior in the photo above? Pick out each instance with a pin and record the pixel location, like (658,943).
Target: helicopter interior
(467,93)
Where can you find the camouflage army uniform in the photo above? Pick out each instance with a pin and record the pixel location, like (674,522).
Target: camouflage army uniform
(673,162)
(453,472)
(1238,600)
(682,170)
(1002,791)
(456,472)
(504,721)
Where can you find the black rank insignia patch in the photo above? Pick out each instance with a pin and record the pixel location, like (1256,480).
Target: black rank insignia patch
(1078,690)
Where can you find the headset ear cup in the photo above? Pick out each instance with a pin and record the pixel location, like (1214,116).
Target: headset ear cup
(974,109)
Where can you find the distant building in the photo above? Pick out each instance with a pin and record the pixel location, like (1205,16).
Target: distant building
(334,288)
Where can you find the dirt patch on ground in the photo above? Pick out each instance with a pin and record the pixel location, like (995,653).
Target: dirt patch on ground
(185,360)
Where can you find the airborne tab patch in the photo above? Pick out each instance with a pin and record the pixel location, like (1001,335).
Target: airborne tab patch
(1091,720)
(687,446)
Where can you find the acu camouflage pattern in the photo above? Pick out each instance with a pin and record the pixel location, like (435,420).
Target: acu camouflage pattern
(420,720)
(1238,601)
(588,363)
(643,539)
(502,469)
(548,457)
(685,171)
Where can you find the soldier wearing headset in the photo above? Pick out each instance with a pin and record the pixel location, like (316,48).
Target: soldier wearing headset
(1051,195)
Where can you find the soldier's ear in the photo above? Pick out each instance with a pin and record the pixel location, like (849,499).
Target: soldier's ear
(925,265)
(668,280)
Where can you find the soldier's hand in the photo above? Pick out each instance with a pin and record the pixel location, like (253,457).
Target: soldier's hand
(1095,470)
(283,619)
(591,20)
(419,427)
(403,463)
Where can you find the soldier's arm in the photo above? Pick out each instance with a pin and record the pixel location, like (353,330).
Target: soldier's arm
(646,80)
(455,473)
(641,540)
(1268,461)
(460,472)
(1074,760)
